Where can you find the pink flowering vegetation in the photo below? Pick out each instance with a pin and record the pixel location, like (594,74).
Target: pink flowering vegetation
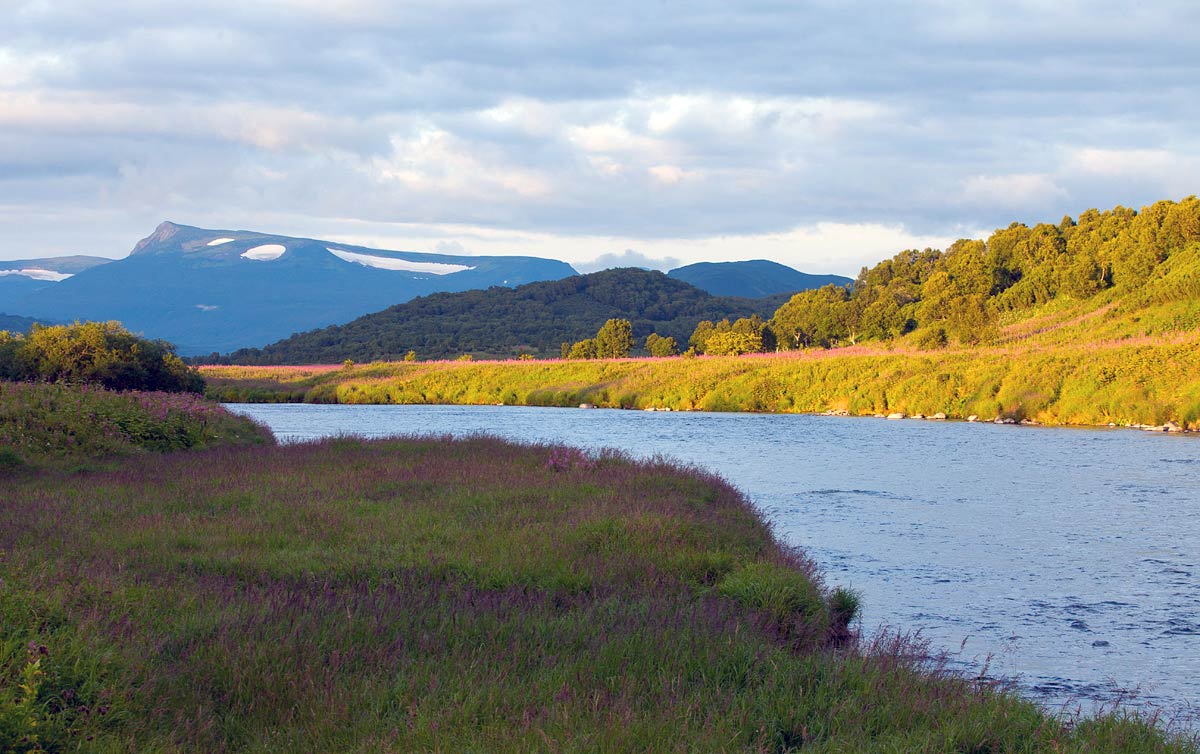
(429,594)
(44,424)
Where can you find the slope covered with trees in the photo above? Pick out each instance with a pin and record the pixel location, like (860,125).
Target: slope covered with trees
(1129,273)
(754,278)
(504,322)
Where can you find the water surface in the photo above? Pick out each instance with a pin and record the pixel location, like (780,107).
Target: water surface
(1067,559)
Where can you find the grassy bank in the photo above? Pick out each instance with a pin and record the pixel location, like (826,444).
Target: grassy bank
(1123,382)
(457,596)
(46,425)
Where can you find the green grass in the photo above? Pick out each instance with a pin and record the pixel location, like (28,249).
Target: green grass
(1132,381)
(44,425)
(435,595)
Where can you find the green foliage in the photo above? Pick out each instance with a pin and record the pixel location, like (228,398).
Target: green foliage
(660,347)
(584,349)
(965,291)
(746,335)
(98,352)
(410,356)
(69,426)
(501,322)
(614,340)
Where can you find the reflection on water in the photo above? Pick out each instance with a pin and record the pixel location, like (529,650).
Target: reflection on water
(1067,559)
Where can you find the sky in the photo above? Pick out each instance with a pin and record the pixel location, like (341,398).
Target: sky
(823,135)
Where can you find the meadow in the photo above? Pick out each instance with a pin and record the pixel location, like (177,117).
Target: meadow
(437,595)
(61,426)
(1131,381)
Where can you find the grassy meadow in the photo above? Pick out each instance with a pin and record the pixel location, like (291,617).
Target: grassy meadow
(1136,380)
(58,426)
(437,595)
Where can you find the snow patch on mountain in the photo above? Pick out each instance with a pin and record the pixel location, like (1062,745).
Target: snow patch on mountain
(393,263)
(265,253)
(38,274)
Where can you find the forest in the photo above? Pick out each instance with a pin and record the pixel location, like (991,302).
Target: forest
(1120,260)
(533,319)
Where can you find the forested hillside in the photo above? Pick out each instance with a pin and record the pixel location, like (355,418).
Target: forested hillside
(754,278)
(536,318)
(1113,274)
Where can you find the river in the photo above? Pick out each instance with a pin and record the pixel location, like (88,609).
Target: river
(1065,559)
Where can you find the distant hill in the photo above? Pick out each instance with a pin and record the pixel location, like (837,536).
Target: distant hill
(218,290)
(13,323)
(21,277)
(502,322)
(751,279)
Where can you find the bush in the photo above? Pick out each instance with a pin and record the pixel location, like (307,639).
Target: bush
(104,353)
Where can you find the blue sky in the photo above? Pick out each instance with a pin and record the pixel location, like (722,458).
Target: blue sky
(821,135)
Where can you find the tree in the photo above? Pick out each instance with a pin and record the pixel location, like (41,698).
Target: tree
(100,352)
(584,349)
(657,345)
(614,340)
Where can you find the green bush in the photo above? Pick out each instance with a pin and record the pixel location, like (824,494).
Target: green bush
(104,353)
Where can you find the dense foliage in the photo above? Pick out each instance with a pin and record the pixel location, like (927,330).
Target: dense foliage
(753,278)
(968,292)
(68,426)
(614,340)
(504,322)
(454,596)
(96,352)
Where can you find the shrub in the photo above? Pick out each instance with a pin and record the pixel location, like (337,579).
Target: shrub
(98,352)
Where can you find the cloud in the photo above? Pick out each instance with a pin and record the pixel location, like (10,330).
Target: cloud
(628,258)
(1014,191)
(546,120)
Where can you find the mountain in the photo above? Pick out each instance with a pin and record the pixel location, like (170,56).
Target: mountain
(21,277)
(751,279)
(218,290)
(13,323)
(502,322)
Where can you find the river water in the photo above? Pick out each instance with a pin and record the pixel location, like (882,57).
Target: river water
(1065,559)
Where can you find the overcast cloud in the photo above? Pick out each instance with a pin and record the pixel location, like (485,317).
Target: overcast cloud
(817,134)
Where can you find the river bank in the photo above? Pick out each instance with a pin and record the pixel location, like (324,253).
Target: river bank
(436,594)
(1143,384)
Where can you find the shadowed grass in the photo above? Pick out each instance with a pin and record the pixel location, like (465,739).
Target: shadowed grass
(438,595)
(45,425)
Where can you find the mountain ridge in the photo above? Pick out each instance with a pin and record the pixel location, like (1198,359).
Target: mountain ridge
(217,290)
(752,278)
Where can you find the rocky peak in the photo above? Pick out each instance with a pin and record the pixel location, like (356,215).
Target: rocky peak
(165,230)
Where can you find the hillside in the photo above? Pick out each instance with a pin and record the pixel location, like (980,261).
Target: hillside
(217,290)
(502,322)
(13,323)
(21,277)
(1107,275)
(754,278)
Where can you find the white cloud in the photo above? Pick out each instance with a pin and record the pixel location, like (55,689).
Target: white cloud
(1016,190)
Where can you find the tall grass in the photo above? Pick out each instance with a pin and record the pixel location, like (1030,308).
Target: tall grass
(44,425)
(436,595)
(1122,382)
